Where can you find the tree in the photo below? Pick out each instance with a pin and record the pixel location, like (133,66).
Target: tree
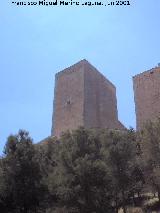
(150,142)
(47,153)
(22,190)
(82,177)
(119,153)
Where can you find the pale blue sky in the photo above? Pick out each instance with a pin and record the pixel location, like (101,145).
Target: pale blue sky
(37,42)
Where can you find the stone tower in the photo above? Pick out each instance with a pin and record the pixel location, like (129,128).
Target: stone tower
(147,96)
(83,97)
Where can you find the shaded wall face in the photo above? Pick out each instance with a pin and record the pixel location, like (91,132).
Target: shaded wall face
(147,96)
(100,101)
(68,101)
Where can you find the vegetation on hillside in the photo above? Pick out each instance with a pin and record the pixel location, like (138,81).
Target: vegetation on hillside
(85,171)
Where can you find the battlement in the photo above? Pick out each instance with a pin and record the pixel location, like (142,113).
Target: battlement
(75,67)
(147,73)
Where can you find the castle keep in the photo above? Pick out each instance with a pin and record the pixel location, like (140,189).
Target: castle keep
(147,96)
(83,97)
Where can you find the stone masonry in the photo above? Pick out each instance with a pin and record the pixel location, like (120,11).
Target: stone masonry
(83,97)
(147,96)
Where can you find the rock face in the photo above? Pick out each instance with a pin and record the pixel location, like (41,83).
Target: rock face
(147,96)
(83,97)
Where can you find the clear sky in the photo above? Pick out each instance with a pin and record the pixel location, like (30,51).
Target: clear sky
(38,41)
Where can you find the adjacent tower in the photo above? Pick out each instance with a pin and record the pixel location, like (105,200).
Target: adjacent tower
(83,97)
(147,96)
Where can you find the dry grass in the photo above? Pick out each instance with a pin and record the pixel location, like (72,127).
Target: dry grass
(132,210)
(151,201)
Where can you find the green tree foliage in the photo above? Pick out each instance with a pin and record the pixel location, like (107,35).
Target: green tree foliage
(119,152)
(83,183)
(150,143)
(47,154)
(84,171)
(22,190)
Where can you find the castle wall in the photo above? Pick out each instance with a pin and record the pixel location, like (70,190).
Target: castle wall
(100,100)
(68,100)
(147,96)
